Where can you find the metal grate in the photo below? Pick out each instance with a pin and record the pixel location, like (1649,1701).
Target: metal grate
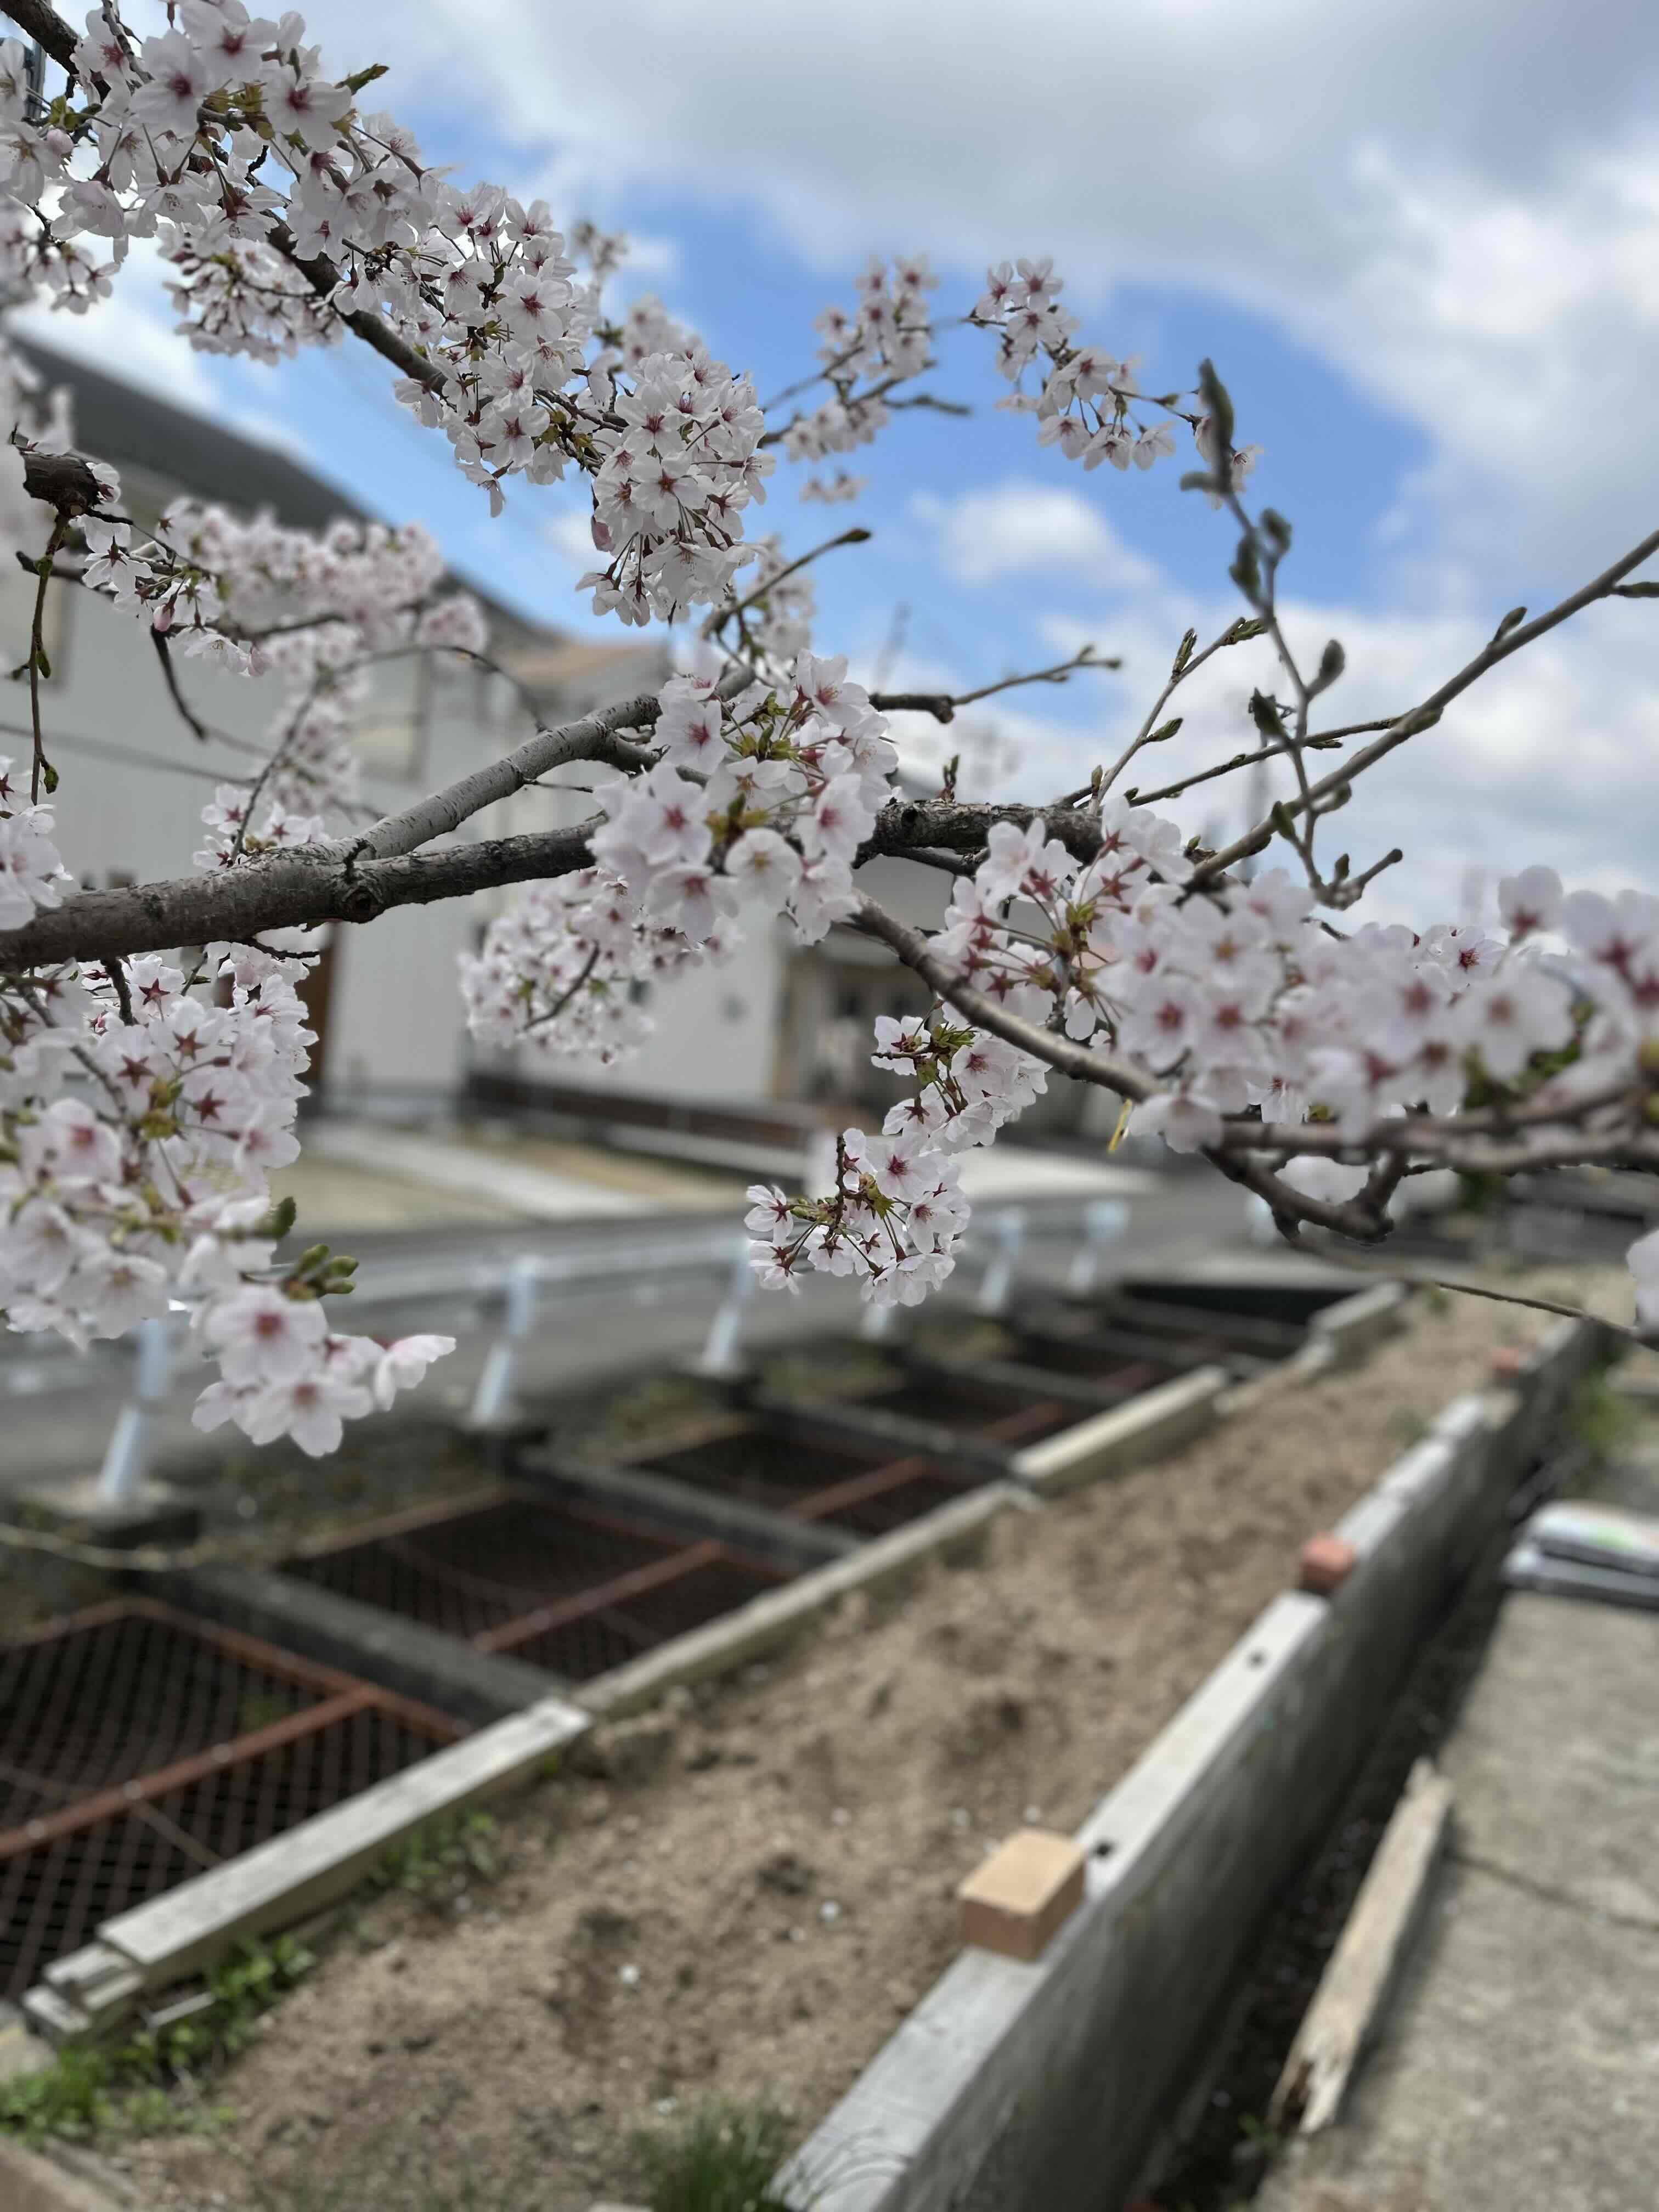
(567,1587)
(121,1692)
(974,1409)
(594,1642)
(903,1496)
(53,1899)
(472,1572)
(157,1747)
(762,1464)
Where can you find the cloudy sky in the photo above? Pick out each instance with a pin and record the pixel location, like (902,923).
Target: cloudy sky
(1420,238)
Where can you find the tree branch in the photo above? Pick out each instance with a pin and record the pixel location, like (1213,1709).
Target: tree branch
(1061,1053)
(187,713)
(1425,716)
(292,890)
(1352,1218)
(593,737)
(721,615)
(943,705)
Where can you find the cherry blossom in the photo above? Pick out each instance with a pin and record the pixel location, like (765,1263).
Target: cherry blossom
(144,1102)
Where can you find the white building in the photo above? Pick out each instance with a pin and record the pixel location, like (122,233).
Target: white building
(779,1035)
(134,778)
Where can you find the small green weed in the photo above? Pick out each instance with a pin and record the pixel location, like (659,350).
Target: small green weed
(1601,1416)
(93,2089)
(720,2159)
(439,1862)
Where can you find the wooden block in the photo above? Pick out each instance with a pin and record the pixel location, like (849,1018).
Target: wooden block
(1355,1986)
(1022,1893)
(1327,1562)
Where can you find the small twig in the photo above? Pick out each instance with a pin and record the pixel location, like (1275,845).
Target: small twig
(1236,633)
(198,728)
(1419,1280)
(943,705)
(1135,798)
(116,969)
(41,765)
(718,620)
(1428,713)
(1348,891)
(567,995)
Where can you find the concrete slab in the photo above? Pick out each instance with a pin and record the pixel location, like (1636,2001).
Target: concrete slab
(1555,1763)
(1008,1175)
(1516,2076)
(503,1183)
(1517,2072)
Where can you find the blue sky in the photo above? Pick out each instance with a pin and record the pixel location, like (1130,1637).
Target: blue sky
(1421,242)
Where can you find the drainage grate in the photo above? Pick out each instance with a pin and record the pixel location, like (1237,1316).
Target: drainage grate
(815,1479)
(567,1587)
(140,1747)
(972,1409)
(122,1691)
(468,1572)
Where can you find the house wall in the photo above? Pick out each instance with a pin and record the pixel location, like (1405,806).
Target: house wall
(134,780)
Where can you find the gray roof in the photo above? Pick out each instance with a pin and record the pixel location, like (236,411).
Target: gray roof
(133,428)
(118,422)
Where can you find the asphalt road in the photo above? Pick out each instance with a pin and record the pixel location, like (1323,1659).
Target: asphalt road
(57,1408)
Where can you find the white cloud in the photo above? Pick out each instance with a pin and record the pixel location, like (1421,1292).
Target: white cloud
(1457,206)
(131,335)
(1549,759)
(1022,528)
(571,537)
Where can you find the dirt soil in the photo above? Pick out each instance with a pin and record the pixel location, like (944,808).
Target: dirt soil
(763,1886)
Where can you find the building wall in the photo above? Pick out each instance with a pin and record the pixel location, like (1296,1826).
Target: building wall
(134,780)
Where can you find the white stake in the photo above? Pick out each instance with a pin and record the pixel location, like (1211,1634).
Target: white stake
(1105,1220)
(132,1440)
(721,1358)
(1009,1231)
(493,1400)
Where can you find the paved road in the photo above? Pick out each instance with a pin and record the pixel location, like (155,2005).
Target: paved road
(56,1407)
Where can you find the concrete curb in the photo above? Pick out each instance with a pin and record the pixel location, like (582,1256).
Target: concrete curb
(1158,1421)
(1356,1325)
(289,1879)
(692,1509)
(474,1686)
(1049,2083)
(778,1616)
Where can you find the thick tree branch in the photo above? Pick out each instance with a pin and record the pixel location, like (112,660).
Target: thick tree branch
(960,826)
(293,890)
(594,737)
(47,29)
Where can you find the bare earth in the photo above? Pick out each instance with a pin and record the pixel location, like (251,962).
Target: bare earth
(759,1913)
